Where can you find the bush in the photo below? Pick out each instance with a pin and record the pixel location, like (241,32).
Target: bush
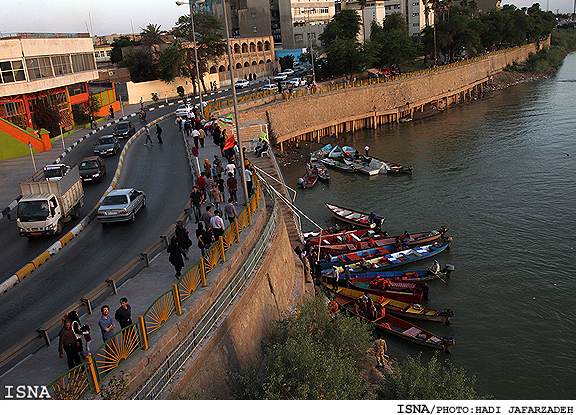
(155,96)
(180,91)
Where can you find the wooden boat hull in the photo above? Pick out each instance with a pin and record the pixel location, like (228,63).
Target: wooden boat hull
(395,326)
(352,216)
(402,309)
(336,164)
(413,292)
(308,180)
(399,258)
(409,276)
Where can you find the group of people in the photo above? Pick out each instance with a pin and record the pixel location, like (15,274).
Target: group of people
(75,338)
(312,267)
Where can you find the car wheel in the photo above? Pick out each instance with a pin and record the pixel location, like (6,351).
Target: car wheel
(59,228)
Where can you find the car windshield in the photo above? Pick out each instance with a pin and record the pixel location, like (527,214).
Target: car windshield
(122,126)
(115,200)
(89,164)
(53,173)
(105,140)
(33,210)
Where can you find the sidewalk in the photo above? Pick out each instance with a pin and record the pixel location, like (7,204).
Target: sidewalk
(44,366)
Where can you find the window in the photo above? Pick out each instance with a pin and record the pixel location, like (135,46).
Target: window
(61,65)
(39,68)
(415,14)
(255,29)
(12,71)
(298,38)
(83,62)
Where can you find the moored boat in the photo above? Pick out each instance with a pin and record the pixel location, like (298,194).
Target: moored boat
(361,219)
(319,168)
(363,278)
(370,163)
(308,180)
(393,325)
(337,164)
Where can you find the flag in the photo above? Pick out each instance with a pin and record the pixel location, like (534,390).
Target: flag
(264,136)
(225,122)
(230,142)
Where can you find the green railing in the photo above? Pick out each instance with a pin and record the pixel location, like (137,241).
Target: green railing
(78,381)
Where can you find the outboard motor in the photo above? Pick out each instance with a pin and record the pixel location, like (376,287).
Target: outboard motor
(448,269)
(448,342)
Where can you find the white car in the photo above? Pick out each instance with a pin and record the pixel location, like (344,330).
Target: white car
(184,109)
(281,77)
(269,87)
(121,205)
(288,72)
(296,82)
(241,83)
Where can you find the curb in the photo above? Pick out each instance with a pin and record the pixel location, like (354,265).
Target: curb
(83,224)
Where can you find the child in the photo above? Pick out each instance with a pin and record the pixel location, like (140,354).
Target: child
(88,338)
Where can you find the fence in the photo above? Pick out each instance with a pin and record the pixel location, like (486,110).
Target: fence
(88,376)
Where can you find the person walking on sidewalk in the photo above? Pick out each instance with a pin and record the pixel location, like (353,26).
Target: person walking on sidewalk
(124,314)
(68,344)
(217,197)
(207,216)
(217,225)
(106,323)
(176,253)
(148,137)
(111,110)
(196,199)
(232,187)
(201,136)
(159,133)
(230,211)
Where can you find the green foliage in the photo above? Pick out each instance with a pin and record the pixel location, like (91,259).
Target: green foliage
(541,62)
(94,104)
(152,35)
(170,62)
(286,62)
(310,355)
(564,38)
(344,25)
(154,96)
(48,117)
(116,387)
(413,380)
(141,66)
(395,45)
(117,45)
(180,91)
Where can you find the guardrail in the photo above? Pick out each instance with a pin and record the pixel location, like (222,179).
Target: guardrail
(89,375)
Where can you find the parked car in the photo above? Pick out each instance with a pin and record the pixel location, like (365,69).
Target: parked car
(184,109)
(92,169)
(280,77)
(54,172)
(288,72)
(241,83)
(285,84)
(121,205)
(296,82)
(106,145)
(124,129)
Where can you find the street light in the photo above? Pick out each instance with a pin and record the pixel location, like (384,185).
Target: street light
(311,45)
(180,3)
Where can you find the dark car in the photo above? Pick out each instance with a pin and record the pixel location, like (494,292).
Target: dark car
(92,169)
(124,129)
(106,145)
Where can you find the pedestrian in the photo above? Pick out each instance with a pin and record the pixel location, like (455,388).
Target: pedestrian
(366,149)
(232,187)
(230,210)
(182,236)
(111,110)
(210,190)
(216,134)
(217,197)
(248,175)
(188,127)
(230,168)
(141,103)
(195,135)
(201,181)
(69,345)
(217,163)
(148,137)
(179,123)
(196,199)
(159,133)
(217,225)
(124,313)
(207,168)
(201,136)
(92,122)
(176,253)
(206,216)
(106,323)
(76,327)
(205,238)
(220,182)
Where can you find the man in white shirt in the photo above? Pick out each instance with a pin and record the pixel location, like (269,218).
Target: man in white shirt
(230,168)
(248,175)
(195,136)
(217,225)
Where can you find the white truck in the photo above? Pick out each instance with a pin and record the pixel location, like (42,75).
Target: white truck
(47,204)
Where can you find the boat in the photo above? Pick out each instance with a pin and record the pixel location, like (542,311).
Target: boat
(361,219)
(363,278)
(330,261)
(323,152)
(399,258)
(336,153)
(393,325)
(319,168)
(402,309)
(369,164)
(308,180)
(337,164)
(348,237)
(413,292)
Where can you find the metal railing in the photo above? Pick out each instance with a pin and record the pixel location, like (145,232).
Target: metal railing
(75,383)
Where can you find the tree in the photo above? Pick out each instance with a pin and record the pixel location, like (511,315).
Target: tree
(396,46)
(286,62)
(210,42)
(141,66)
(152,35)
(311,355)
(413,380)
(117,45)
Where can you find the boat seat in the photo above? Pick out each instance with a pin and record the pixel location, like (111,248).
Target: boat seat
(355,237)
(265,152)
(378,242)
(412,332)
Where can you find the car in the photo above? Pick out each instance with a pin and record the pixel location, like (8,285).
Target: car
(241,83)
(280,77)
(106,145)
(184,109)
(54,172)
(288,72)
(124,129)
(121,205)
(296,82)
(92,169)
(269,87)
(285,84)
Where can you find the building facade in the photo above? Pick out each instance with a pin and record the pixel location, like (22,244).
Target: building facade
(44,70)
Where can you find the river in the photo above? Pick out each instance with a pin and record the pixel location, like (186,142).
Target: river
(500,173)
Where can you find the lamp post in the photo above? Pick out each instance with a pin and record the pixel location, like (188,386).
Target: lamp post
(311,45)
(180,3)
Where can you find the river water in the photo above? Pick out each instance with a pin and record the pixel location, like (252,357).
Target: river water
(500,173)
